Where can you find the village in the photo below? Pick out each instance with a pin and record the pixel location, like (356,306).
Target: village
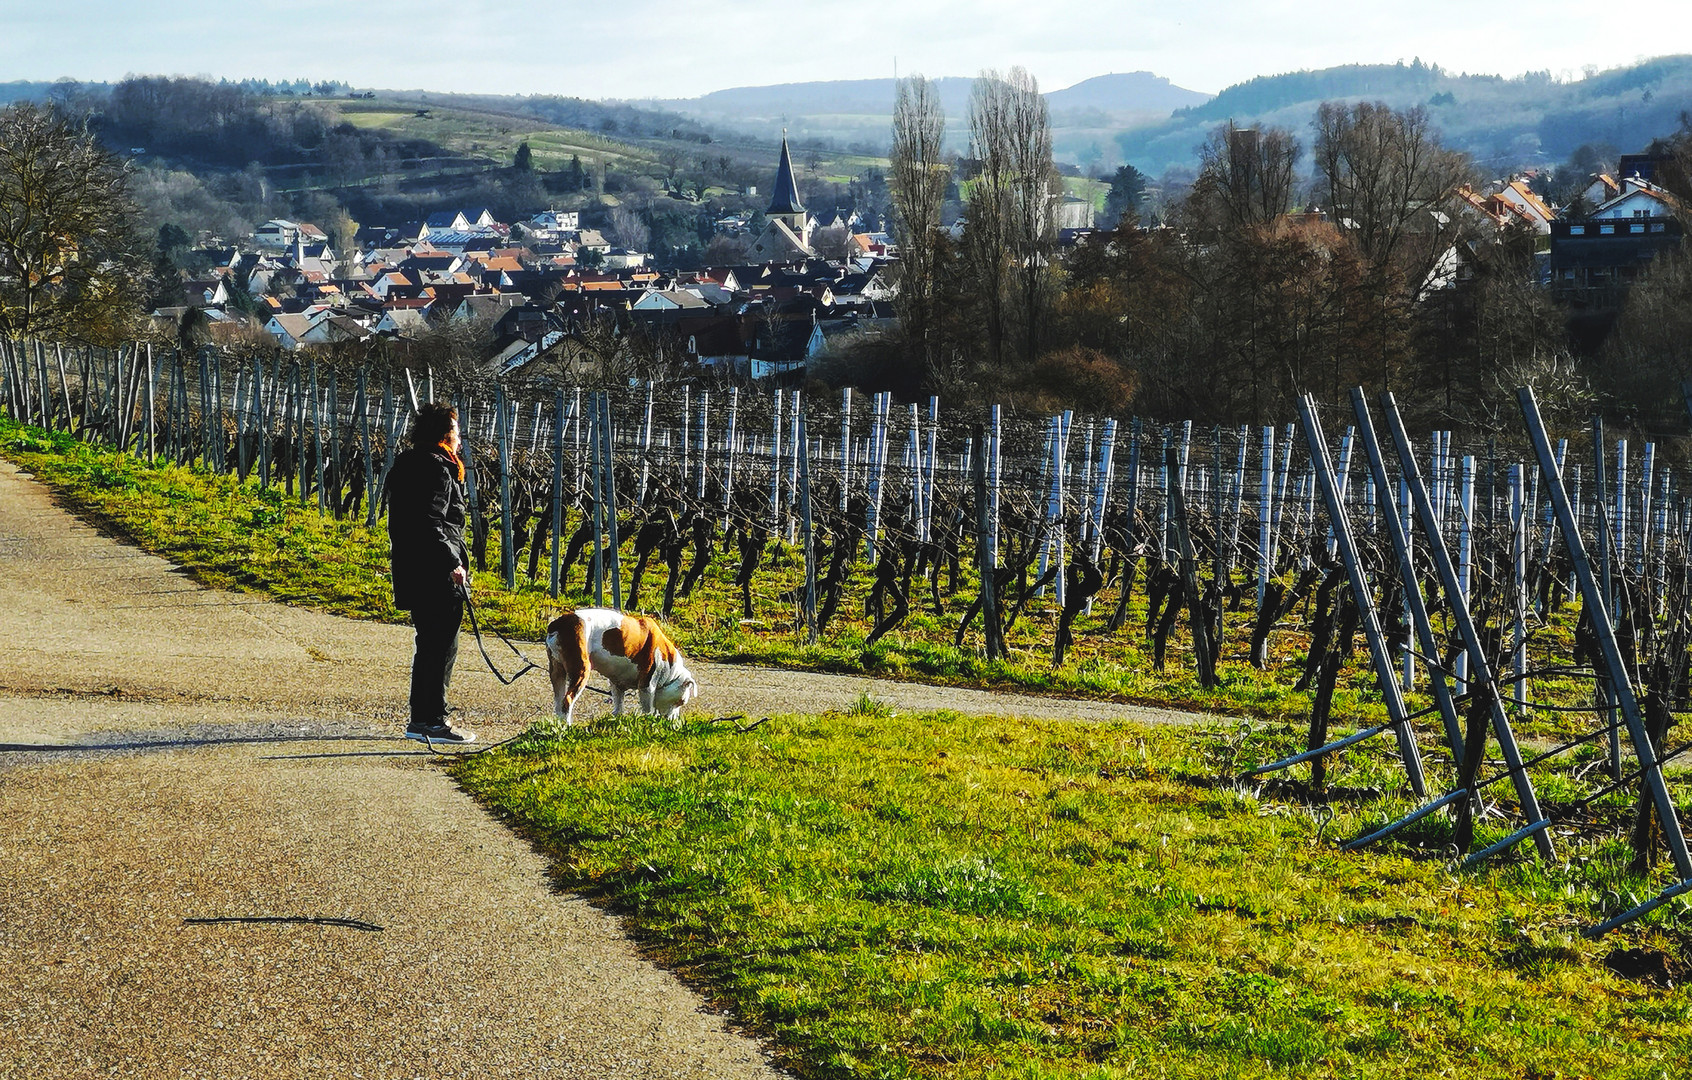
(519,292)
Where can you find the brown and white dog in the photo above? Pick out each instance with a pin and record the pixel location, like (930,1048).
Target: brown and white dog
(632,651)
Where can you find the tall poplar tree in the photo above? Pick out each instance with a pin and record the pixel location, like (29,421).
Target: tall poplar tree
(1011,224)
(918,179)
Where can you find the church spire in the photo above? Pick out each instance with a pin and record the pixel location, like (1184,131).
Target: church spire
(784,199)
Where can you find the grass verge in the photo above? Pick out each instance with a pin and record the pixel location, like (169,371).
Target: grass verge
(945,896)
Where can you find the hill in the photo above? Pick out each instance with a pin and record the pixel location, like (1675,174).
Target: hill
(1503,123)
(1133,92)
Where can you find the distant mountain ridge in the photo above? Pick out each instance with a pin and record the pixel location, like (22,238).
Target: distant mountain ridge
(860,111)
(1147,121)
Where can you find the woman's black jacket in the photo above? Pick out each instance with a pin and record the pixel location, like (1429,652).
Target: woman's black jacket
(425,527)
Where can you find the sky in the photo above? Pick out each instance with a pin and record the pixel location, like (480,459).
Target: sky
(637,51)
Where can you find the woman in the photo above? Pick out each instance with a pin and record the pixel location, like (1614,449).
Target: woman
(430,568)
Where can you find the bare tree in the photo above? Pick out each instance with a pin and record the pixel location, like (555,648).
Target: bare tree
(630,228)
(68,257)
(918,178)
(1034,190)
(1386,178)
(1010,216)
(1245,176)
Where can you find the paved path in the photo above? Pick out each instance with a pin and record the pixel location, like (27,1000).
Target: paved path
(169,751)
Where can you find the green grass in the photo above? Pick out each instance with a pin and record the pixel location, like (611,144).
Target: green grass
(937,895)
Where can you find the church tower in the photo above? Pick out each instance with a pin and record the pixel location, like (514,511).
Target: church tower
(784,199)
(787,228)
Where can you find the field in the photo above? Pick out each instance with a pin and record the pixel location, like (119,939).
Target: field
(493,136)
(943,895)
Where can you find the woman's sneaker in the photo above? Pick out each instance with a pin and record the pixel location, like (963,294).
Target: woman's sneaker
(439,733)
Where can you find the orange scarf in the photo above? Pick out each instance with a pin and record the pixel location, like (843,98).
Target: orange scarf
(453,457)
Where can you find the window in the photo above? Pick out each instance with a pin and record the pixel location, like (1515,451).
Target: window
(1657,226)
(1577,230)
(1606,230)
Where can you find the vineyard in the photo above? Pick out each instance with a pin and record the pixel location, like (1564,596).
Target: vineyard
(1511,619)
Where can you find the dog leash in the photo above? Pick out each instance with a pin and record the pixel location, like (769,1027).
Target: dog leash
(475,628)
(528,665)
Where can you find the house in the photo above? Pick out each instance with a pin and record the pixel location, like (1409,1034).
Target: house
(623,259)
(527,322)
(402,321)
(592,240)
(882,284)
(1526,207)
(1513,204)
(555,221)
(1617,240)
(671,300)
(722,276)
(520,352)
(447,221)
(781,348)
(210,292)
(340,327)
(276,233)
(1069,212)
(394,283)
(876,245)
(484,307)
(292,331)
(433,262)
(168,320)
(713,294)
(1602,188)
(718,343)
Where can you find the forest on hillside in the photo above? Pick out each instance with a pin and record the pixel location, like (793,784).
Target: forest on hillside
(1531,120)
(217,159)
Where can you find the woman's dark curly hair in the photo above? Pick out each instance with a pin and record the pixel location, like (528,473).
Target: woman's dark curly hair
(432,423)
